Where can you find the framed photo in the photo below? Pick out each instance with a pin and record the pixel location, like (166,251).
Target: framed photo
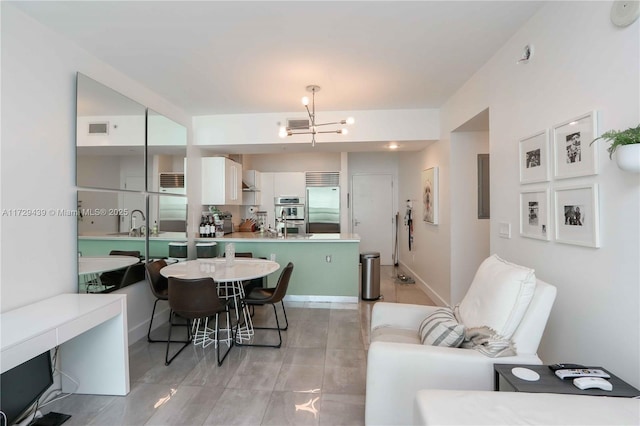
(430,195)
(574,153)
(534,158)
(576,215)
(534,214)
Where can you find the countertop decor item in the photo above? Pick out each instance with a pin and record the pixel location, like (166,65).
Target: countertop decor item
(310,127)
(625,145)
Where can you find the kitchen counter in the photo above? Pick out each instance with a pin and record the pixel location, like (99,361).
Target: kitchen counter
(325,265)
(162,236)
(293,238)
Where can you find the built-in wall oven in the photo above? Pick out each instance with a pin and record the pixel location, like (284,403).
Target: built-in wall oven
(294,209)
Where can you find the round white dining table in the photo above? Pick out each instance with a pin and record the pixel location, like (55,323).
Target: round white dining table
(229,275)
(218,268)
(90,268)
(100,264)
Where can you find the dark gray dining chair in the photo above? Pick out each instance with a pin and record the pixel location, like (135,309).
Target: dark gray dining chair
(271,296)
(194,299)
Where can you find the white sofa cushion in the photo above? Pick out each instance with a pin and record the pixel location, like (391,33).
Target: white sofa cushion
(498,296)
(395,335)
(441,328)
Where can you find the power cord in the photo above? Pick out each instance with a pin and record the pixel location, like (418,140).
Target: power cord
(4,416)
(60,395)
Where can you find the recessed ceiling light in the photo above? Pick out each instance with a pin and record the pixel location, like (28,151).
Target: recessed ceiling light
(393,145)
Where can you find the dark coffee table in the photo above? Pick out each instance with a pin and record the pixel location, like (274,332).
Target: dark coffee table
(550,383)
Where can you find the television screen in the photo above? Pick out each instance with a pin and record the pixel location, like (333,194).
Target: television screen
(21,386)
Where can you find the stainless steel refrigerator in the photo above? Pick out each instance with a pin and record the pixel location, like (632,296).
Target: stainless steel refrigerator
(323,209)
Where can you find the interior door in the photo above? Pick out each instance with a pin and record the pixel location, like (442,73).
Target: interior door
(372,216)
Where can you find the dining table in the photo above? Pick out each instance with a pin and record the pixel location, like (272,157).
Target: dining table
(90,268)
(229,275)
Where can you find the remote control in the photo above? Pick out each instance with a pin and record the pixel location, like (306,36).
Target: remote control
(564,366)
(592,382)
(581,372)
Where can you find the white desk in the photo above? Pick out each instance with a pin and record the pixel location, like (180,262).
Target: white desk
(91,330)
(229,277)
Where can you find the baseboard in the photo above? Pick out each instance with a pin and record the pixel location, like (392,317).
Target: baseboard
(333,299)
(140,331)
(424,286)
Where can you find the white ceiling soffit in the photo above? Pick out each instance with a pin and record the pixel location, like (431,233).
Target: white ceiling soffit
(216,57)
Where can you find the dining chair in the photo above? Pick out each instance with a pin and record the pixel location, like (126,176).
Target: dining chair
(113,280)
(271,296)
(249,285)
(160,289)
(197,299)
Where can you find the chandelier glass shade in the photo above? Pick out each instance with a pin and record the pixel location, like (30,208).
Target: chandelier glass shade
(314,127)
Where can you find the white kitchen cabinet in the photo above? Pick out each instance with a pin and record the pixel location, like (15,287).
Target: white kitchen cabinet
(289,183)
(221,181)
(251,195)
(266,194)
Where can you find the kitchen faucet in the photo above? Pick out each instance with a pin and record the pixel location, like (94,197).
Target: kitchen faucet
(133,231)
(284,220)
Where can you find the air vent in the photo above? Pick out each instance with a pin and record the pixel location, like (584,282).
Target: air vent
(172,180)
(99,128)
(298,123)
(323,178)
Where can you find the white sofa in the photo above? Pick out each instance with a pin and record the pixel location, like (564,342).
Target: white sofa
(448,407)
(398,365)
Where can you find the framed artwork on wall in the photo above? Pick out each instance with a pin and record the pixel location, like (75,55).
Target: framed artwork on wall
(576,215)
(534,158)
(534,214)
(430,195)
(574,153)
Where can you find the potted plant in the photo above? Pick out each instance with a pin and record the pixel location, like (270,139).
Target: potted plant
(626,145)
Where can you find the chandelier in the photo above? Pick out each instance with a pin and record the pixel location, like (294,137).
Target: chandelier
(312,127)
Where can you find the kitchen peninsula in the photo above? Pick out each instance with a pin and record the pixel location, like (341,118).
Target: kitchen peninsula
(326,265)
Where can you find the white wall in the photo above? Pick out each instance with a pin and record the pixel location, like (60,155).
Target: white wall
(429,259)
(294,162)
(38,154)
(582,62)
(469,235)
(257,129)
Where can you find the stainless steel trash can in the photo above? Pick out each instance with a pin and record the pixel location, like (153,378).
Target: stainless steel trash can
(370,279)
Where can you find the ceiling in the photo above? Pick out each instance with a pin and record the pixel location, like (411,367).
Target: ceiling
(216,57)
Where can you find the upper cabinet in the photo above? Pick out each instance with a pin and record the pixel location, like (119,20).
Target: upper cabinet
(110,138)
(289,183)
(221,181)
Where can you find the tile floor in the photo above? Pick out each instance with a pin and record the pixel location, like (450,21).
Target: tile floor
(316,378)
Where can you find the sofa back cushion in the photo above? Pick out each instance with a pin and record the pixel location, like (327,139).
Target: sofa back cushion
(498,296)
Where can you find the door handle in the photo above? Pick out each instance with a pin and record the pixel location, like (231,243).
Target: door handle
(356,222)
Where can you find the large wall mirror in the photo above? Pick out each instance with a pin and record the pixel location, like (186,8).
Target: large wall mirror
(129,209)
(166,166)
(110,138)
